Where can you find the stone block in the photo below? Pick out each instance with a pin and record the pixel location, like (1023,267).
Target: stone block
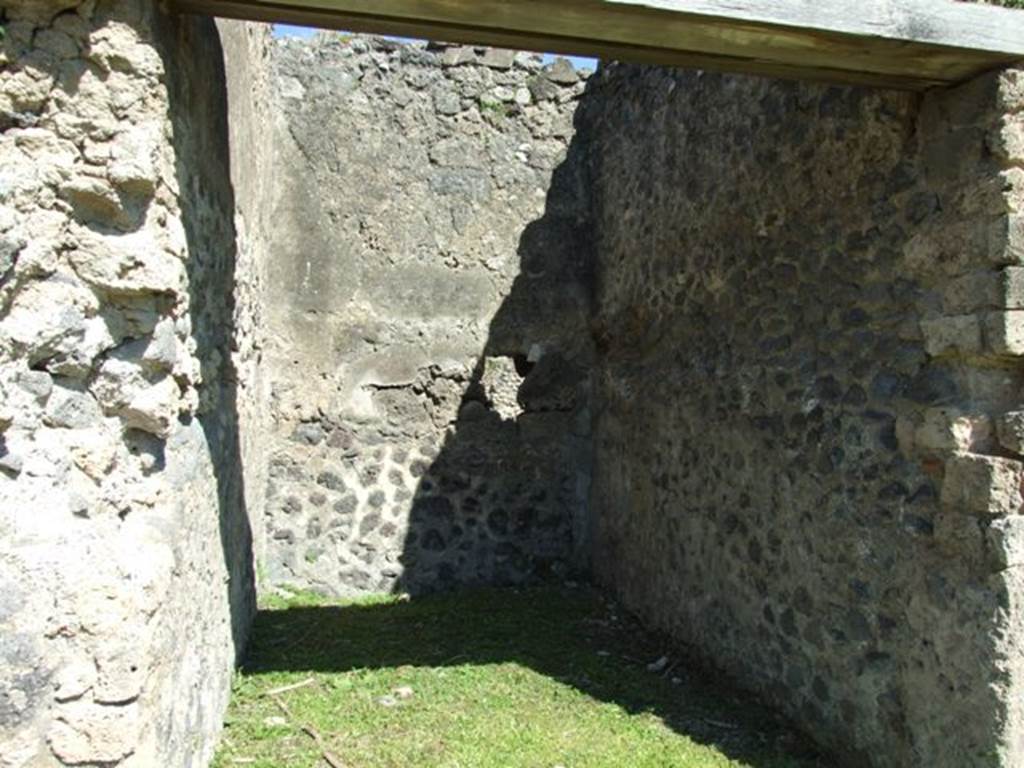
(1011,90)
(74,679)
(1005,237)
(48,320)
(93,200)
(946,429)
(1011,288)
(39,384)
(1006,140)
(1010,430)
(10,247)
(162,350)
(542,89)
(1004,542)
(132,154)
(129,263)
(454,57)
(71,409)
(93,452)
(1004,332)
(972,291)
(498,58)
(531,62)
(120,673)
(944,335)
(154,409)
(447,103)
(1013,241)
(562,71)
(988,289)
(10,462)
(982,485)
(502,94)
(1011,182)
(87,733)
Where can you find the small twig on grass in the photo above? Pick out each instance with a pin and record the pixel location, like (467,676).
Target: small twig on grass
(310,731)
(292,687)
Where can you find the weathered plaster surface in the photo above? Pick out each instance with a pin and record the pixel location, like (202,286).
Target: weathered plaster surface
(250,141)
(428,297)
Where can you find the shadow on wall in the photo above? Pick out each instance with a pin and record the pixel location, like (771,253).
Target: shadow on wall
(504,501)
(207,199)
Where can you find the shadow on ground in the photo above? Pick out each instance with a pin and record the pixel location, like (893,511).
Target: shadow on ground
(570,634)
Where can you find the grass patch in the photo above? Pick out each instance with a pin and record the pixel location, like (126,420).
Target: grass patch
(543,677)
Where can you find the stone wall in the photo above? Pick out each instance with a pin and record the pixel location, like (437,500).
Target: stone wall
(428,300)
(807,443)
(125,552)
(415,297)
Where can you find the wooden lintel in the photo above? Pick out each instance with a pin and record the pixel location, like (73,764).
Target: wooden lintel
(909,44)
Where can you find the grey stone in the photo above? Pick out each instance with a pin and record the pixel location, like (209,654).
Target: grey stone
(447,103)
(531,62)
(309,434)
(39,384)
(562,71)
(72,409)
(162,350)
(331,481)
(498,58)
(542,88)
(1010,428)
(453,57)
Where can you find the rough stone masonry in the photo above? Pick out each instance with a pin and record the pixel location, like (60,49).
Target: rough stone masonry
(363,316)
(125,550)
(808,429)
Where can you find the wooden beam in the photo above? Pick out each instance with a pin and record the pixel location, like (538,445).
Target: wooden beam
(911,44)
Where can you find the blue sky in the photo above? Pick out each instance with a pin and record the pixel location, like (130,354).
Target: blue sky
(284,30)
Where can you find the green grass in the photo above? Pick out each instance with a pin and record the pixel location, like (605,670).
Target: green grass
(544,677)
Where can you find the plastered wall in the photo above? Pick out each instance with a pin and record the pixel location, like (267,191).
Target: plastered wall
(428,298)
